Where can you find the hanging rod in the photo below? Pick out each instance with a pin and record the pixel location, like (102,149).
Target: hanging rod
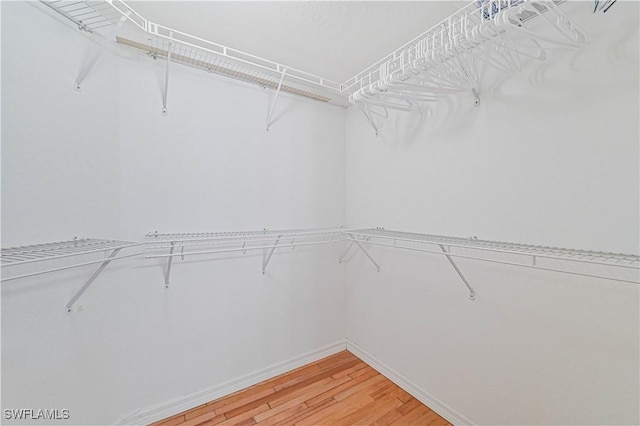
(532,252)
(27,255)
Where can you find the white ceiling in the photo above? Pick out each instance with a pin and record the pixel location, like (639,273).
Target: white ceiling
(332,39)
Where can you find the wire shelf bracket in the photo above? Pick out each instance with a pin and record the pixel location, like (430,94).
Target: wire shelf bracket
(266,260)
(472,294)
(15,256)
(369,116)
(275,100)
(345,252)
(167,273)
(98,51)
(165,91)
(440,62)
(90,281)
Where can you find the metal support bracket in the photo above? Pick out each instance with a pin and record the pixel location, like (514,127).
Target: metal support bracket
(168,271)
(86,285)
(165,92)
(472,294)
(98,52)
(370,120)
(275,100)
(476,96)
(344,253)
(357,243)
(266,261)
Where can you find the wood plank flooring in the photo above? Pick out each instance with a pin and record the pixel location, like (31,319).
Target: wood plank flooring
(340,390)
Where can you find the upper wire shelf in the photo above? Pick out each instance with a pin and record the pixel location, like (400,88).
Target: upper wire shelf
(91,15)
(218,59)
(197,52)
(187,49)
(444,60)
(473,13)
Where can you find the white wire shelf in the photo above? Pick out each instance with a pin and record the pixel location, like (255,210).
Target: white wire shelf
(91,15)
(475,12)
(220,60)
(554,259)
(469,27)
(444,60)
(171,245)
(204,238)
(40,252)
(157,41)
(79,249)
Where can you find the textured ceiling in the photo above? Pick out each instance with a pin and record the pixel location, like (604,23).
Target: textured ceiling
(332,39)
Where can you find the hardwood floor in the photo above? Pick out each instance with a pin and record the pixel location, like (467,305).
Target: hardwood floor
(339,390)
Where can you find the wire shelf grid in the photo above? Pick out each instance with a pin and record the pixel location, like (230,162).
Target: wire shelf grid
(553,259)
(57,250)
(603,258)
(471,15)
(219,60)
(87,15)
(197,52)
(291,237)
(80,249)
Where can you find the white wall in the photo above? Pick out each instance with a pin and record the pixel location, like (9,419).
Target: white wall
(106,163)
(59,147)
(550,157)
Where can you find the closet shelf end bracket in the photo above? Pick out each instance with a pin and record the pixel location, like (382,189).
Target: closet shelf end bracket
(472,294)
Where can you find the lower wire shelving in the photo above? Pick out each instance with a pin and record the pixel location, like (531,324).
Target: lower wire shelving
(171,245)
(73,251)
(552,259)
(590,264)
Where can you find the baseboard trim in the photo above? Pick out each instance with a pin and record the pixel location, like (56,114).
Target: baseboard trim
(442,408)
(173,407)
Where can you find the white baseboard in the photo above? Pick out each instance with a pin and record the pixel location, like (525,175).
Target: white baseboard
(175,406)
(442,408)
